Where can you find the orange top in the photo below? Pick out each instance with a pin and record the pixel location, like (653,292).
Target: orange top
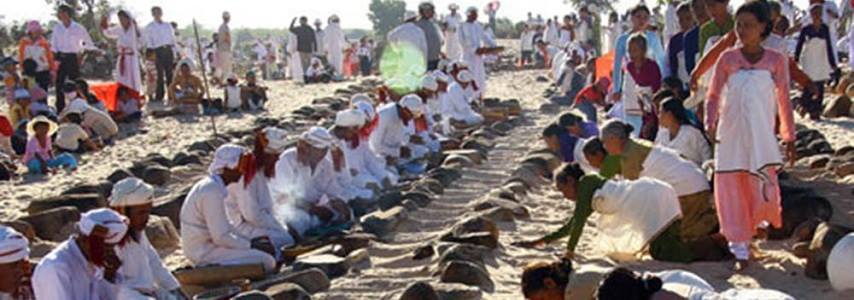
(26,41)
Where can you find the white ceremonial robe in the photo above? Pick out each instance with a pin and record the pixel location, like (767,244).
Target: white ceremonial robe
(368,167)
(472,37)
(351,189)
(551,35)
(294,60)
(390,134)
(453,49)
(690,143)
(666,165)
(65,274)
(565,37)
(128,43)
(250,209)
(410,34)
(455,106)
(335,41)
(319,37)
(206,235)
(296,187)
(143,275)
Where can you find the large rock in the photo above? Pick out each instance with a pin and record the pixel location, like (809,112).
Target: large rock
(445,175)
(389,199)
(382,223)
(421,199)
(799,205)
(104,188)
(839,106)
(469,274)
(419,291)
(476,156)
(462,252)
(431,185)
(333,266)
(844,151)
(287,291)
(22,227)
(183,159)
(170,206)
(313,280)
(826,236)
(53,224)
(845,169)
(816,161)
(251,295)
(820,146)
(156,175)
(157,159)
(119,174)
(474,230)
(162,234)
(530,175)
(202,146)
(457,291)
(83,202)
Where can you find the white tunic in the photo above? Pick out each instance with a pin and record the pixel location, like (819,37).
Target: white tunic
(666,165)
(410,34)
(128,43)
(335,41)
(690,143)
(64,273)
(472,37)
(452,41)
(142,271)
(456,107)
(551,34)
(294,61)
(368,167)
(390,134)
(250,209)
(297,187)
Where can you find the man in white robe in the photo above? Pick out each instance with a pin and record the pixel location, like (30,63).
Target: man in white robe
(455,105)
(143,274)
(345,132)
(319,36)
(250,208)
(84,266)
(14,263)
(305,185)
(472,38)
(206,235)
(409,34)
(453,50)
(369,166)
(551,34)
(224,56)
(390,138)
(294,62)
(334,42)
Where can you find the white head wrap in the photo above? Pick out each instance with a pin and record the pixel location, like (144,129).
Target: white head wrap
(471,9)
(361,97)
(115,223)
(366,109)
(186,61)
(840,264)
(465,76)
(413,103)
(131,191)
(440,76)
(13,245)
(408,15)
(226,156)
(317,137)
(276,139)
(77,106)
(349,118)
(429,83)
(453,6)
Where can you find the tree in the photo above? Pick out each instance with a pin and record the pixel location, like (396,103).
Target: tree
(603,4)
(505,29)
(386,15)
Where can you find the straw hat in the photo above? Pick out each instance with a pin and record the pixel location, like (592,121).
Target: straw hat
(52,127)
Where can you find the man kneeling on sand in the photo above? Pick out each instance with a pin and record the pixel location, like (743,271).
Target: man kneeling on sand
(185,92)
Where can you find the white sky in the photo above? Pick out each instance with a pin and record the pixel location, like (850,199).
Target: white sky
(279,13)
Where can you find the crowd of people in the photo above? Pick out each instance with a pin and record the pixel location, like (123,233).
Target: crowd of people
(641,170)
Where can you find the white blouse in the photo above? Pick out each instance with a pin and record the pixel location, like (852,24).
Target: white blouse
(689,142)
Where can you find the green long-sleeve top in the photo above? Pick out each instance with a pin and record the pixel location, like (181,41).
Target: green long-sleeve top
(583,208)
(711,29)
(610,166)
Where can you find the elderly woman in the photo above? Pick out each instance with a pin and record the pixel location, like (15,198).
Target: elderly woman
(35,46)
(185,92)
(639,158)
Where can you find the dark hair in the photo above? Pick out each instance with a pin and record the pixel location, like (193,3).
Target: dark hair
(534,275)
(156,8)
(594,146)
(675,83)
(123,13)
(82,84)
(760,10)
(569,119)
(775,6)
(75,118)
(639,8)
(683,7)
(30,67)
(638,36)
(623,284)
(552,130)
(675,107)
(66,9)
(782,24)
(566,171)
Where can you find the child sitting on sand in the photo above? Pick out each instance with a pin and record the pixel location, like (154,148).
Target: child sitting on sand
(253,95)
(20,110)
(232,94)
(84,93)
(39,156)
(129,109)
(71,137)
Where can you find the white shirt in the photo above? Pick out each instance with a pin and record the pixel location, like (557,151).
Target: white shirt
(319,36)
(69,135)
(365,162)
(334,39)
(232,96)
(409,33)
(260,51)
(159,34)
(297,184)
(64,273)
(473,36)
(204,224)
(142,270)
(71,39)
(666,165)
(252,212)
(565,37)
(690,143)
(390,133)
(455,105)
(222,45)
(527,40)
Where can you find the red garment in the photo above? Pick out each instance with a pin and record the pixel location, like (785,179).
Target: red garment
(421,124)
(108,93)
(365,132)
(648,76)
(6,127)
(589,94)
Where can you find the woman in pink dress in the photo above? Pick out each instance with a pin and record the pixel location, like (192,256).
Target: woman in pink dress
(748,92)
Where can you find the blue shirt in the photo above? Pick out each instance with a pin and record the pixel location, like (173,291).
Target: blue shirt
(654,50)
(691,46)
(567,146)
(675,46)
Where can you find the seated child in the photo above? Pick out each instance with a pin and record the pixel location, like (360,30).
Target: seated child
(129,109)
(84,93)
(39,156)
(252,95)
(316,73)
(20,110)
(591,96)
(71,137)
(232,94)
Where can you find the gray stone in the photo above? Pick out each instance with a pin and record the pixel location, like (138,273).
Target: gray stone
(458,161)
(517,187)
(158,159)
(464,252)
(529,175)
(355,241)
(156,175)
(104,188)
(467,273)
(251,295)
(499,214)
(202,146)
(118,175)
(474,230)
(170,206)
(421,199)
(83,202)
(389,199)
(312,280)
(820,146)
(419,291)
(287,291)
(839,106)
(457,291)
(362,207)
(445,175)
(423,252)
(434,186)
(162,234)
(333,266)
(382,223)
(51,224)
(183,159)
(817,161)
(845,169)
(844,151)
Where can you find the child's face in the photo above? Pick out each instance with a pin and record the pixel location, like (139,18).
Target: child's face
(637,51)
(686,19)
(716,8)
(640,20)
(595,160)
(749,29)
(816,15)
(666,118)
(567,189)
(41,129)
(552,142)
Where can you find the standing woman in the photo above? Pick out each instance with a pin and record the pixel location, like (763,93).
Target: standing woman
(35,47)
(741,116)
(128,43)
(815,54)
(640,24)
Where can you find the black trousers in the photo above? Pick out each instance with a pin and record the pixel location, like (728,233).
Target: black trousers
(69,69)
(43,80)
(165,61)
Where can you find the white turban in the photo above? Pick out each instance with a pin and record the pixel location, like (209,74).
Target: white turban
(115,223)
(453,6)
(471,9)
(317,137)
(413,103)
(131,191)
(226,156)
(409,15)
(465,76)
(186,61)
(440,76)
(349,118)
(429,83)
(360,97)
(13,245)
(367,109)
(276,140)
(840,264)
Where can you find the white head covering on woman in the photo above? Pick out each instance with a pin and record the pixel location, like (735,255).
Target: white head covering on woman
(13,245)
(131,191)
(413,103)
(226,156)
(116,224)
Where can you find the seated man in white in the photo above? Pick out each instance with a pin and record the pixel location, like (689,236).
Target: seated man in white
(390,138)
(455,104)
(305,185)
(143,274)
(207,237)
(370,166)
(345,132)
(85,266)
(250,205)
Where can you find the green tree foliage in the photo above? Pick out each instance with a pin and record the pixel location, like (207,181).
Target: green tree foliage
(385,15)
(505,29)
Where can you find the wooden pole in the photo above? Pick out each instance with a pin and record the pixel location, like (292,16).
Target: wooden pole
(204,74)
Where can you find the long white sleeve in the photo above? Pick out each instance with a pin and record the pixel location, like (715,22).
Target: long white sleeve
(257,207)
(222,233)
(162,276)
(51,283)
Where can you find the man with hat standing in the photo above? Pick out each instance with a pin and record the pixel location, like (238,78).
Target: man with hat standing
(85,266)
(334,42)
(143,274)
(452,40)
(206,235)
(473,38)
(431,33)
(68,41)
(390,138)
(307,42)
(223,48)
(14,265)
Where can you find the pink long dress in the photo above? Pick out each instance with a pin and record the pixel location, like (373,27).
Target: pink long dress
(745,100)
